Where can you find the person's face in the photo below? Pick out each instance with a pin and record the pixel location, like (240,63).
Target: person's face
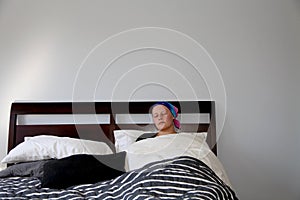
(162,117)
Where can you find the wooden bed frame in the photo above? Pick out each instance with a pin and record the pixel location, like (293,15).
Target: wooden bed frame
(100,131)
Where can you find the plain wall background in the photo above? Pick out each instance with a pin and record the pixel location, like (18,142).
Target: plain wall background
(255,44)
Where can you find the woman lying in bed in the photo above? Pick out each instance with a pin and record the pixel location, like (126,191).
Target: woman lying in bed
(167,143)
(164,117)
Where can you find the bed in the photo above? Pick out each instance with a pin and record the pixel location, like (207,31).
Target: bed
(55,148)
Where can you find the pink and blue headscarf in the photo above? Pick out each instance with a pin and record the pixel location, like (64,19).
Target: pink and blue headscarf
(173,109)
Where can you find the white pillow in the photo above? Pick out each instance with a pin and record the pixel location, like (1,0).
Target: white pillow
(124,138)
(47,147)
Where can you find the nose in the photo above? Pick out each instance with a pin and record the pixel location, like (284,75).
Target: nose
(160,116)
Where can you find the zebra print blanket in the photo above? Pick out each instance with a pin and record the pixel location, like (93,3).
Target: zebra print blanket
(178,178)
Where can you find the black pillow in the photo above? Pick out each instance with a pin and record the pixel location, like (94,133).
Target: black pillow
(82,169)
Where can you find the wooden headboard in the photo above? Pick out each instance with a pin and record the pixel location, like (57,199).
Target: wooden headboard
(101,131)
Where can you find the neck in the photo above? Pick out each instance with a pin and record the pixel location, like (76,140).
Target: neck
(171,130)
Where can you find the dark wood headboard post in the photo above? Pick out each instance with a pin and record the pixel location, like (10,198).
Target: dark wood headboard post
(12,128)
(112,126)
(212,128)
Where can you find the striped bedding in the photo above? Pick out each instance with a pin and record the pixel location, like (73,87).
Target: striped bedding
(178,178)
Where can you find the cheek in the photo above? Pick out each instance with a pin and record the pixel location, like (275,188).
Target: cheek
(169,119)
(155,121)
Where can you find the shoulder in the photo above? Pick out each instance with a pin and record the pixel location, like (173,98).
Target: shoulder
(145,136)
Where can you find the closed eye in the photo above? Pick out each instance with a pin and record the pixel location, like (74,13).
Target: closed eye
(155,115)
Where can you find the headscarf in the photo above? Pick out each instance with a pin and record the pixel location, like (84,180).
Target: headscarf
(173,109)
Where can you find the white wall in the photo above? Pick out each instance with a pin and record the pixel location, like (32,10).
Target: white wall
(255,45)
